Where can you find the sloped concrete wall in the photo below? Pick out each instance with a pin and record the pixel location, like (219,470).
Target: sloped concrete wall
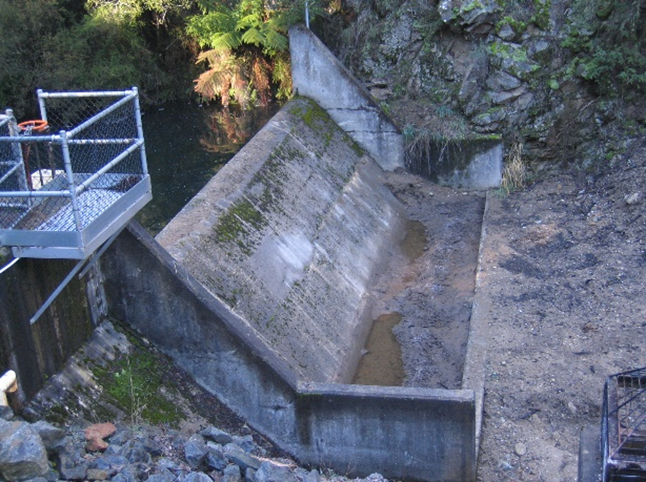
(318,74)
(289,235)
(260,292)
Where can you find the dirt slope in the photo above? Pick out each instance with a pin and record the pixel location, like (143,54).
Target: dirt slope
(564,269)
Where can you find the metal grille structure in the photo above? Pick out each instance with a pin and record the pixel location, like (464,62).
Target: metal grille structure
(72,179)
(624,427)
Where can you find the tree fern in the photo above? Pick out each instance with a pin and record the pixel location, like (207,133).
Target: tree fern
(274,41)
(253,37)
(252,32)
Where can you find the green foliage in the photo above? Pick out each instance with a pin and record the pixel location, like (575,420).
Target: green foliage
(518,26)
(94,45)
(541,17)
(134,384)
(246,44)
(607,40)
(26,27)
(109,55)
(131,11)
(248,22)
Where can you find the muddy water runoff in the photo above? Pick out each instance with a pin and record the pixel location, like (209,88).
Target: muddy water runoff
(381,362)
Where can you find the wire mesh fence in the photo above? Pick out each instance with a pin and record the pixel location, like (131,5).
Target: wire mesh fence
(624,427)
(61,173)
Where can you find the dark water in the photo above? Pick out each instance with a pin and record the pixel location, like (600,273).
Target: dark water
(186,145)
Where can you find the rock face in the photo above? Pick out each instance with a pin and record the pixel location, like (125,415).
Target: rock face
(149,453)
(487,66)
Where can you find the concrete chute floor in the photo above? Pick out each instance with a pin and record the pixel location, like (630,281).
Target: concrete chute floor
(429,284)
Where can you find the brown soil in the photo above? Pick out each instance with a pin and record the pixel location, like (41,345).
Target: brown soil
(564,270)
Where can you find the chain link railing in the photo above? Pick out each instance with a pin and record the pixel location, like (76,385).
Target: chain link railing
(64,172)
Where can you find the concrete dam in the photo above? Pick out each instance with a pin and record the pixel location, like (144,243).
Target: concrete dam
(260,288)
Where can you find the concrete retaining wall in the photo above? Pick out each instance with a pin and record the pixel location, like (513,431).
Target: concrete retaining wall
(404,433)
(36,352)
(464,164)
(318,74)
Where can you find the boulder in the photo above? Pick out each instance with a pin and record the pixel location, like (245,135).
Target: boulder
(241,458)
(215,458)
(51,436)
(232,474)
(475,16)
(22,452)
(216,435)
(95,435)
(269,472)
(197,477)
(195,451)
(503,81)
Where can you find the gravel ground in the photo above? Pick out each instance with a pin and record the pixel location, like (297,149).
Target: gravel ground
(564,270)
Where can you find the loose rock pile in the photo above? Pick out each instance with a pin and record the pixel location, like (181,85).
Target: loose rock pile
(41,452)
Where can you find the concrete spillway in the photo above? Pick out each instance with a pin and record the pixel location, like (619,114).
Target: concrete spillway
(289,235)
(258,289)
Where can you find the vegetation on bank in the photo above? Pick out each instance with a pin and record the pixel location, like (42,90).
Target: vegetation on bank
(608,41)
(98,45)
(231,50)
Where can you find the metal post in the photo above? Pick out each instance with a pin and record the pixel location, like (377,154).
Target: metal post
(41,104)
(140,132)
(14,131)
(70,180)
(307,14)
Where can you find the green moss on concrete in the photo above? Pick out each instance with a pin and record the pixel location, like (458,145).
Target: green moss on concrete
(238,223)
(316,119)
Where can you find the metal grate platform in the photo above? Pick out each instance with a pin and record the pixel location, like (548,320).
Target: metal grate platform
(72,179)
(624,427)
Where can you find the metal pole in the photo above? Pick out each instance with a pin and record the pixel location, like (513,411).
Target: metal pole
(140,132)
(57,291)
(70,180)
(307,14)
(41,103)
(16,148)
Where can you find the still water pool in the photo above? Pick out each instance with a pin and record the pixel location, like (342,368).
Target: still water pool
(186,145)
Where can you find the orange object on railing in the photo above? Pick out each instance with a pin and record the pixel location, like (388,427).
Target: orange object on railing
(34,125)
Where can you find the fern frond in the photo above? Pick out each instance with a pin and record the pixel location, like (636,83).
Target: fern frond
(249,21)
(225,41)
(274,41)
(253,37)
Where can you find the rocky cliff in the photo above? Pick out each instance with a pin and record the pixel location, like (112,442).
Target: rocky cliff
(535,72)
